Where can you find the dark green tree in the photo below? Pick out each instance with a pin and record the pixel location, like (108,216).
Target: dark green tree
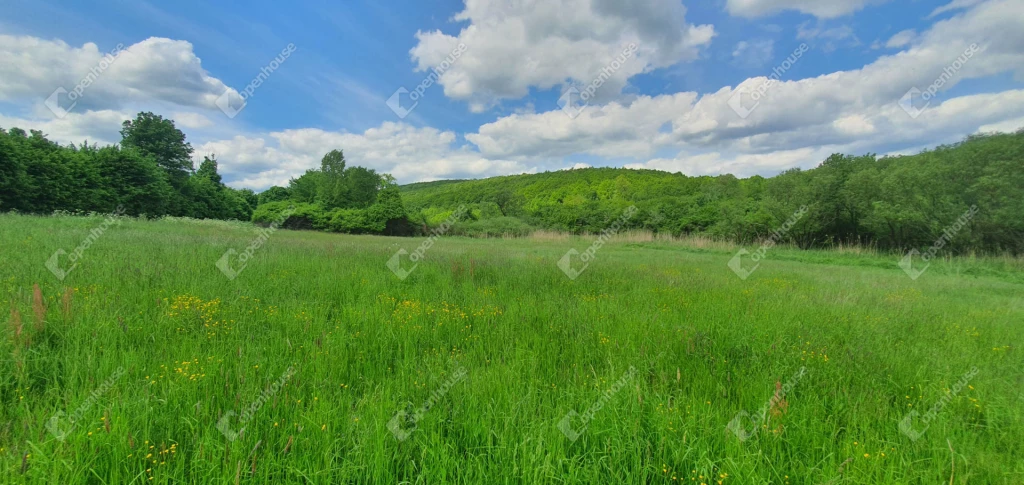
(208,169)
(333,189)
(157,137)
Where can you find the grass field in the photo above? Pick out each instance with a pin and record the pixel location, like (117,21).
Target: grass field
(487,364)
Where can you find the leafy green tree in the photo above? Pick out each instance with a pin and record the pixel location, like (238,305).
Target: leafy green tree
(333,189)
(13,177)
(208,169)
(273,194)
(249,196)
(133,181)
(362,186)
(157,137)
(306,188)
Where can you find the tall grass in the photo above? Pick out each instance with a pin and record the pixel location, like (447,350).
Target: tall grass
(150,345)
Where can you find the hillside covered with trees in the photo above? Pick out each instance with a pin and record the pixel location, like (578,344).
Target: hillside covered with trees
(888,202)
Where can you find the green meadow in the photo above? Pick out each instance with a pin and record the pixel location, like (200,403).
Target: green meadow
(487,364)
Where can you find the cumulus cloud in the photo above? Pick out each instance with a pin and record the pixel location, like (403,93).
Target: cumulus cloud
(155,69)
(825,9)
(101,127)
(854,110)
(191,120)
(513,46)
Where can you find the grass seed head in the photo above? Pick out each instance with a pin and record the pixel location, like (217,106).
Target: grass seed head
(38,307)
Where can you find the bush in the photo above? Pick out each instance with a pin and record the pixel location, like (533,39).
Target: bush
(353,221)
(304,216)
(387,216)
(496,227)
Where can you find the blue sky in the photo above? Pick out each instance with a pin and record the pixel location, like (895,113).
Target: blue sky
(500,107)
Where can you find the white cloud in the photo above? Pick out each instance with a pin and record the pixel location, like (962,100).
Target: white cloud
(512,46)
(154,69)
(578,166)
(756,53)
(829,38)
(953,6)
(740,165)
(1008,126)
(190,120)
(901,39)
(101,127)
(611,130)
(854,110)
(825,9)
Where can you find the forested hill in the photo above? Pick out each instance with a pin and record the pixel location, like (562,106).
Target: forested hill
(890,202)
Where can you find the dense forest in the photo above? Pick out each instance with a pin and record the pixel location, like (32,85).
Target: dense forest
(150,173)
(888,202)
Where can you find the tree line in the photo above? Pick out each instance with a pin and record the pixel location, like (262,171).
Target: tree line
(891,203)
(149,173)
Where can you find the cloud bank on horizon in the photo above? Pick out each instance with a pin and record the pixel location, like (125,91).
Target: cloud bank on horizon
(751,87)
